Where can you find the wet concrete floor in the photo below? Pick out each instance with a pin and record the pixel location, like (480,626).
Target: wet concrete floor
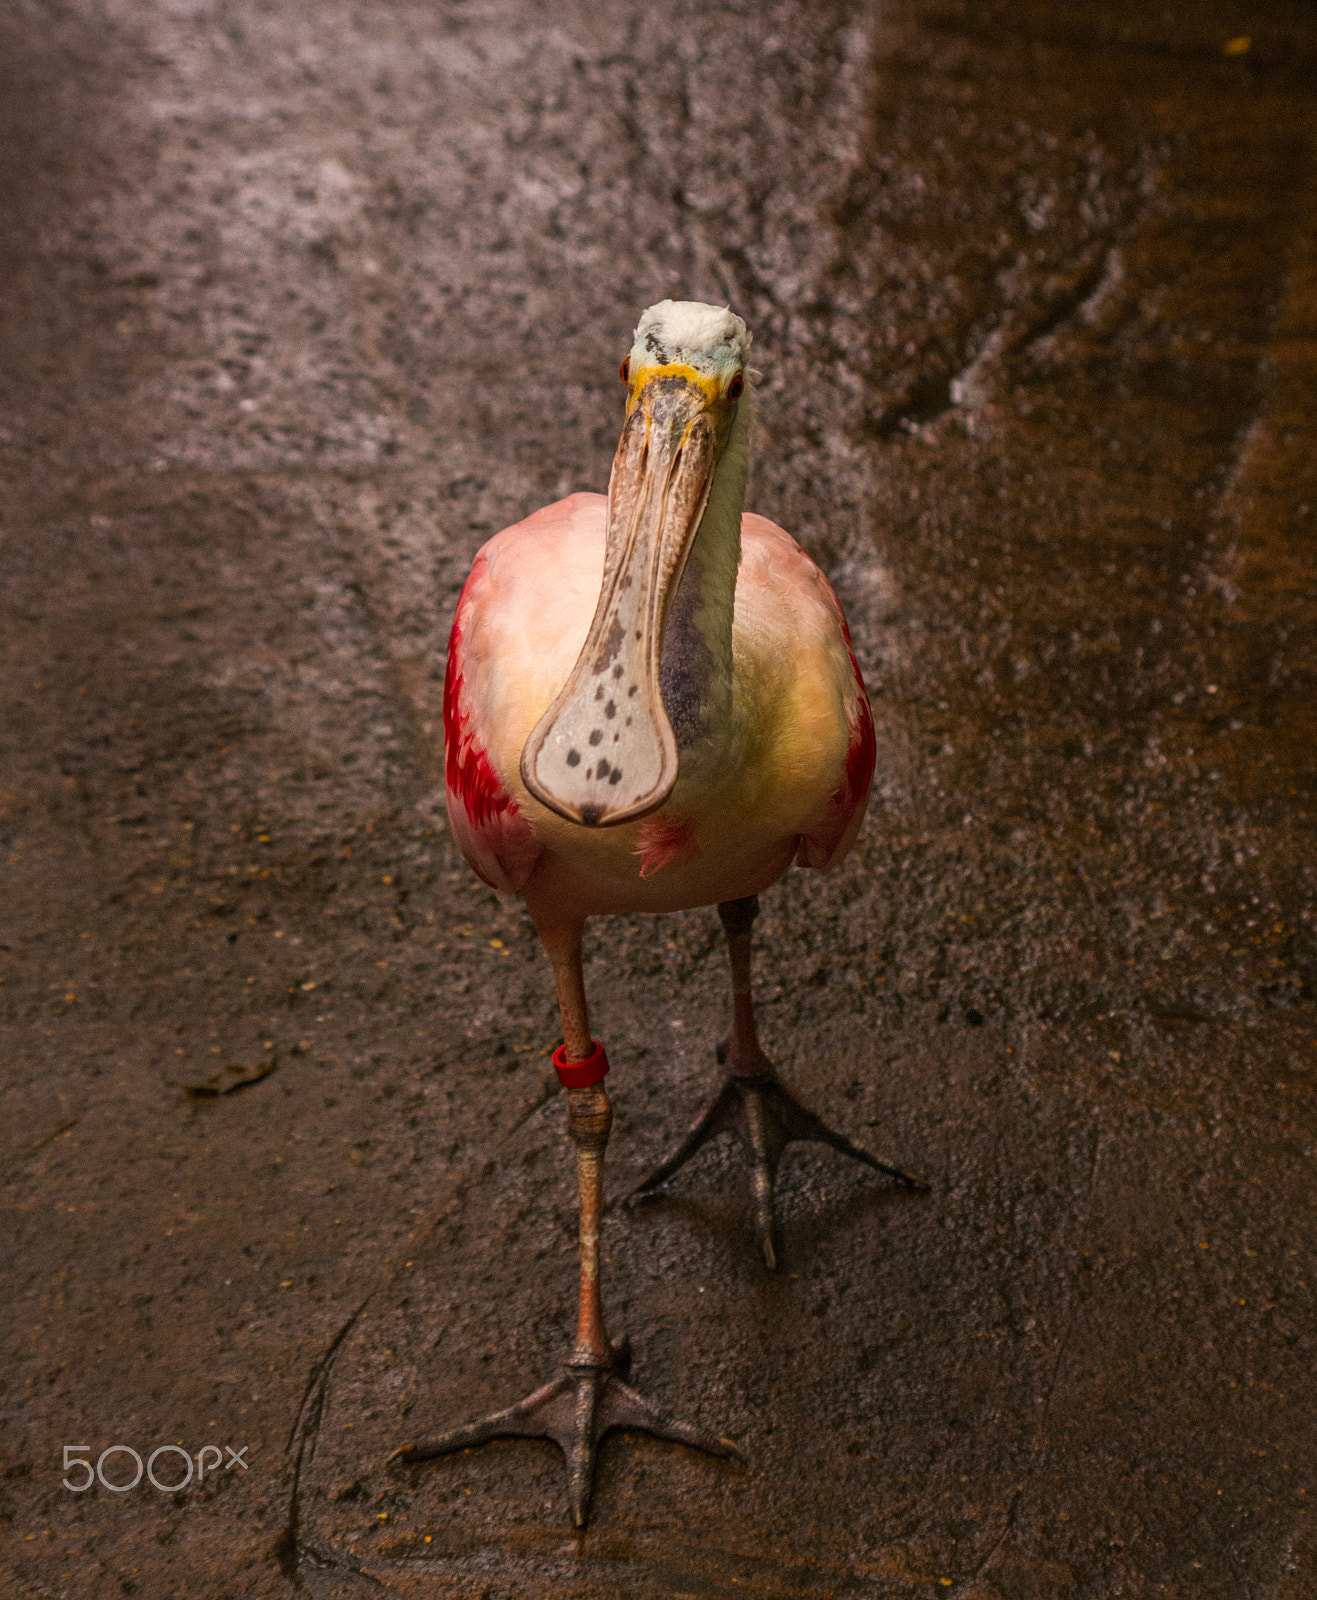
(300,305)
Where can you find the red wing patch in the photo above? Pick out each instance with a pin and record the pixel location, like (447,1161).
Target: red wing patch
(662,839)
(494,836)
(467,771)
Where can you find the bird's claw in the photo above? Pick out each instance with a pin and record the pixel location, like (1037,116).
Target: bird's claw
(575,1410)
(765,1117)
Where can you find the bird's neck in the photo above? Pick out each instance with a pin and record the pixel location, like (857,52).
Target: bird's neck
(696,668)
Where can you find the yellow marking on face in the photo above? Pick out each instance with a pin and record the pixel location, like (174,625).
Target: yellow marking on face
(709,386)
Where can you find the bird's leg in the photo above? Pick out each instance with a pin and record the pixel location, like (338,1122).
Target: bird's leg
(589,1398)
(740,1052)
(564,947)
(753,1103)
(589,1120)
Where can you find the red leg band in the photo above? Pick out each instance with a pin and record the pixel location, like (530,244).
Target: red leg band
(581,1074)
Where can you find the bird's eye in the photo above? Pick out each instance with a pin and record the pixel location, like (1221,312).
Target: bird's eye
(624,371)
(735,387)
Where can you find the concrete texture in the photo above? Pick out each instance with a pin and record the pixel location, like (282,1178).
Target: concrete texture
(300,304)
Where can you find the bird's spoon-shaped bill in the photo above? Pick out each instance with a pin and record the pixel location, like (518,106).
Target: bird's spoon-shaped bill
(604,751)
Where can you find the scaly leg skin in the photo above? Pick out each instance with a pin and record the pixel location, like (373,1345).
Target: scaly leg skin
(753,1104)
(589,1399)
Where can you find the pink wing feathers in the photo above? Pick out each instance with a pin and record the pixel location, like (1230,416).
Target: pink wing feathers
(490,830)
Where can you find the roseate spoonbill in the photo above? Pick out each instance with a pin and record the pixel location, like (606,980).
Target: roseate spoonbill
(652,704)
